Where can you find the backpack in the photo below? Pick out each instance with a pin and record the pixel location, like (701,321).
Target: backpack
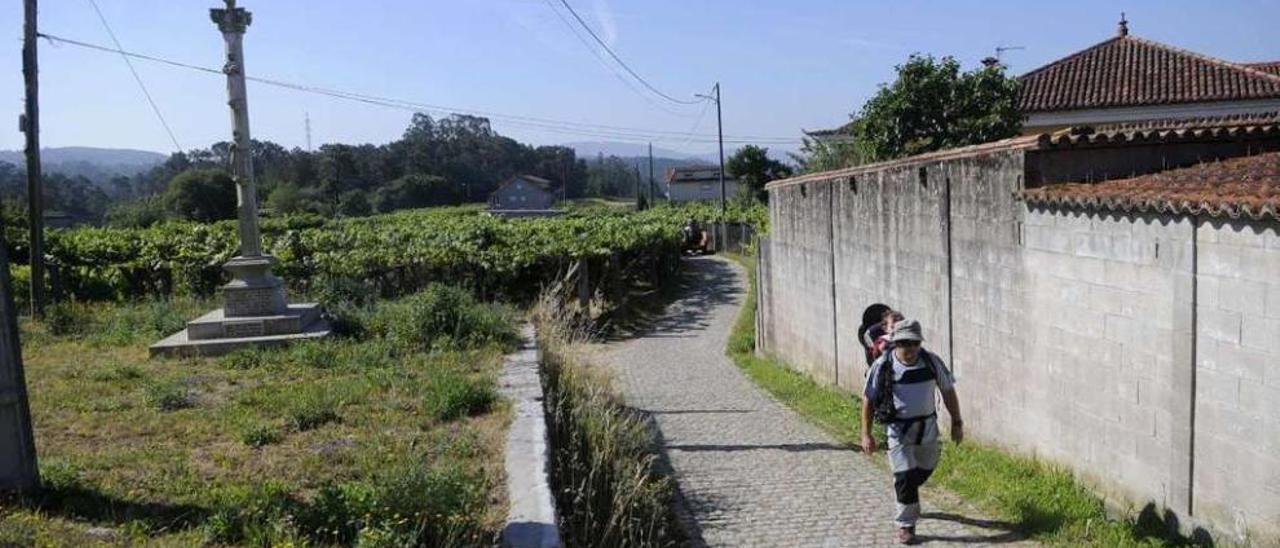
(882,407)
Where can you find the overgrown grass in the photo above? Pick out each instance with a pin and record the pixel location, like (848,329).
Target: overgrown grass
(609,490)
(1043,501)
(363,440)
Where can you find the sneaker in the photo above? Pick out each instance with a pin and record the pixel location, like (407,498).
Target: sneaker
(907,535)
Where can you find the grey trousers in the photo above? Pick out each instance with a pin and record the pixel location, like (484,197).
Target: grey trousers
(912,465)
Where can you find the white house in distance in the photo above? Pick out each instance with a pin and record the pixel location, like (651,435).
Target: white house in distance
(691,184)
(523,195)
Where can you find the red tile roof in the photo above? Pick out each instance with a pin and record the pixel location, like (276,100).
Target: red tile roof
(1247,186)
(1127,71)
(1269,67)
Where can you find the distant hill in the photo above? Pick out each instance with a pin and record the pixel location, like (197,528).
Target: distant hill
(589,150)
(96,164)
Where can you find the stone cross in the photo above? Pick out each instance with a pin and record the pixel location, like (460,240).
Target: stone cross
(253,290)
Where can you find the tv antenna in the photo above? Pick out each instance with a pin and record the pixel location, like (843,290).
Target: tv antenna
(1001,49)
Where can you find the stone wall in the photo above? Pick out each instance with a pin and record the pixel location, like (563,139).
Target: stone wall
(1085,338)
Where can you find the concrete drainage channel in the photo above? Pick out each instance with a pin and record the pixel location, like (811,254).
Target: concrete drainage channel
(531,519)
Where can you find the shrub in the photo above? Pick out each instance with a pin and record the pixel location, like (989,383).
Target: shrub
(168,395)
(407,505)
(311,407)
(314,354)
(258,435)
(66,318)
(244,359)
(118,373)
(126,324)
(443,317)
(452,394)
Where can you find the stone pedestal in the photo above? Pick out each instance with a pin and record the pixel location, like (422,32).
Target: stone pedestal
(255,313)
(253,290)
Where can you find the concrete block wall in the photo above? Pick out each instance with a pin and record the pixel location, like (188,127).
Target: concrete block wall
(1105,383)
(1142,351)
(800,323)
(890,247)
(1237,384)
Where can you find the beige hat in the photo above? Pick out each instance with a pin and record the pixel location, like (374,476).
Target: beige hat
(907,330)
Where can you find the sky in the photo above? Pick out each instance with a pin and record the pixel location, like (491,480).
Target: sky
(784,66)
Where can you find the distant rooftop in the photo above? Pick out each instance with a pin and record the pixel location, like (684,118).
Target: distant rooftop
(694,174)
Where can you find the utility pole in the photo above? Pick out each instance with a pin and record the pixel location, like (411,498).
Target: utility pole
(651,196)
(308,122)
(18,470)
(30,125)
(720,136)
(639,195)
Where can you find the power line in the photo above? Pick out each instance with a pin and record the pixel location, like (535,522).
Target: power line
(697,122)
(136,77)
(558,126)
(619,60)
(573,29)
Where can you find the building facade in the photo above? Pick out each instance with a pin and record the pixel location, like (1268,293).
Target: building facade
(691,184)
(523,193)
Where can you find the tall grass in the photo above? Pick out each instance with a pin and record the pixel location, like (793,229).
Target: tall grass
(609,490)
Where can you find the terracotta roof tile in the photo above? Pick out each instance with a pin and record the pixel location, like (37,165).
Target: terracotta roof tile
(1247,187)
(1269,67)
(1128,71)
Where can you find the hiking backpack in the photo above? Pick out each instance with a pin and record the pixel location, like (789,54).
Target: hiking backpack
(882,407)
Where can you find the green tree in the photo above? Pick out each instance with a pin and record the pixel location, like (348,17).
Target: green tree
(931,105)
(140,213)
(202,195)
(752,167)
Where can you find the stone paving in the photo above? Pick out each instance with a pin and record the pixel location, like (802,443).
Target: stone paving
(752,472)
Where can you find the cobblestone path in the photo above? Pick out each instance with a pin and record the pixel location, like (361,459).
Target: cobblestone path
(751,472)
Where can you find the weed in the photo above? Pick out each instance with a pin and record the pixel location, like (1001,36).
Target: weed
(258,435)
(117,373)
(608,489)
(443,317)
(451,394)
(167,395)
(244,359)
(310,408)
(66,318)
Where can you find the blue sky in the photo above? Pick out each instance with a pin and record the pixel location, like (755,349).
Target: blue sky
(783,66)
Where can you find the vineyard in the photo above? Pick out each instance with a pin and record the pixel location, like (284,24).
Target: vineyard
(385,255)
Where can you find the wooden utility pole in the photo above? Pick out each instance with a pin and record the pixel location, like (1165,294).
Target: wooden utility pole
(651,196)
(30,125)
(18,471)
(720,137)
(720,134)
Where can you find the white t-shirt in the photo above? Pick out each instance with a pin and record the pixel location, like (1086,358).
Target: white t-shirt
(913,385)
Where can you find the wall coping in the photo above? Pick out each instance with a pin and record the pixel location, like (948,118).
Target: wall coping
(531,515)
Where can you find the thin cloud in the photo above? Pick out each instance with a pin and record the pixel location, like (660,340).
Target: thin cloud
(608,24)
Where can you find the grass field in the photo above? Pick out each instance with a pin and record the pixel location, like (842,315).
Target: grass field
(1041,501)
(391,436)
